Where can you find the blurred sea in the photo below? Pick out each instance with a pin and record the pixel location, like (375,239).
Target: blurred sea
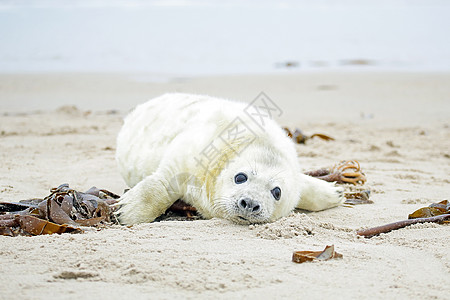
(195,37)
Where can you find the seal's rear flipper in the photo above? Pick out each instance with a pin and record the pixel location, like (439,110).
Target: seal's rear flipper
(318,195)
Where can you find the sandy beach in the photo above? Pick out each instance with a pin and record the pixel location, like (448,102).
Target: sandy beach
(61,128)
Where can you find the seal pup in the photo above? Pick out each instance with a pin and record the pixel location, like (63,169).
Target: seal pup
(215,155)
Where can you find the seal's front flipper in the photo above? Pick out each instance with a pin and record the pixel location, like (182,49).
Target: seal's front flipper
(145,201)
(318,195)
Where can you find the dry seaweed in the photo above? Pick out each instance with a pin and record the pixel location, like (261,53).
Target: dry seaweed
(179,211)
(346,171)
(15,206)
(326,254)
(64,210)
(434,209)
(300,138)
(356,198)
(184,208)
(435,213)
(36,226)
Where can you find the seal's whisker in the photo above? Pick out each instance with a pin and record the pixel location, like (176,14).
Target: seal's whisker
(255,168)
(276,175)
(252,169)
(220,204)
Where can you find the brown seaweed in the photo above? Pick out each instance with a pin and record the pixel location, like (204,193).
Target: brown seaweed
(300,138)
(64,210)
(346,171)
(434,209)
(182,207)
(356,198)
(326,254)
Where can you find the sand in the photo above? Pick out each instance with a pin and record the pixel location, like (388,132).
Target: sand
(395,124)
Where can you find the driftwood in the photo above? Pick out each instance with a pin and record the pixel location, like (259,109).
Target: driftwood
(368,233)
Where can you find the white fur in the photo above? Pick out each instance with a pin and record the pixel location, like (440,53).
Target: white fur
(162,141)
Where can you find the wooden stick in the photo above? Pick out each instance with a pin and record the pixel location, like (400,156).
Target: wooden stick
(368,233)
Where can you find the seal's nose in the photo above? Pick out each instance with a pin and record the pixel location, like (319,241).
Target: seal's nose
(249,206)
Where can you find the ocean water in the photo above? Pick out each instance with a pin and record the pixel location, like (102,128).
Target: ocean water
(195,37)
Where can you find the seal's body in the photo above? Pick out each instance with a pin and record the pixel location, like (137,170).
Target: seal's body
(215,156)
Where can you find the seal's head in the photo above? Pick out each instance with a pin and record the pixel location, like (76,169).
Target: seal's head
(258,186)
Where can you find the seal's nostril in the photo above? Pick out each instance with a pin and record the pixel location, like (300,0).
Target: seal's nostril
(249,206)
(242,203)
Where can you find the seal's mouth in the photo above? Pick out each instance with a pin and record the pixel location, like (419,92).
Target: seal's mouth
(247,221)
(242,220)
(237,216)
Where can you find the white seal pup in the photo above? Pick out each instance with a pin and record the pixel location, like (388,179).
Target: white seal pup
(216,155)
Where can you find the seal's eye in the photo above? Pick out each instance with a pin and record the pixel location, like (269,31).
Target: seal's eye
(276,192)
(240,178)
